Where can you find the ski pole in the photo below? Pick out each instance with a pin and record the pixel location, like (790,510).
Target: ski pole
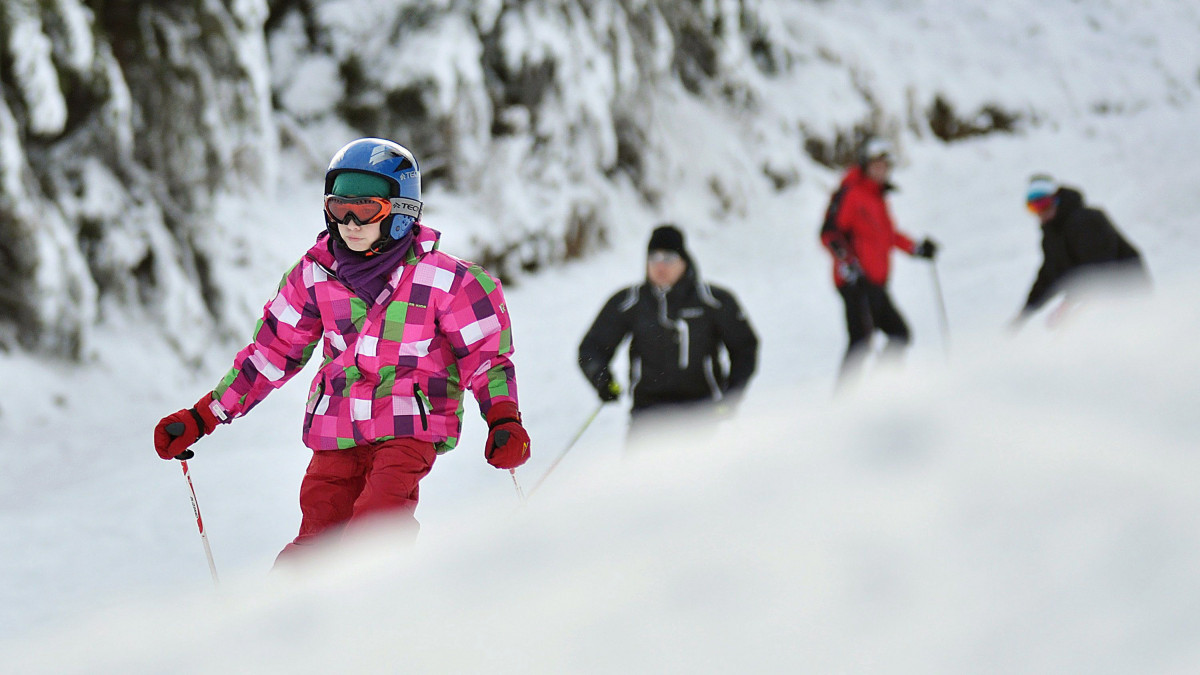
(587,423)
(944,319)
(520,492)
(176,429)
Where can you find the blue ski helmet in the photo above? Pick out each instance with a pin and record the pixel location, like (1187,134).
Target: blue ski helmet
(388,160)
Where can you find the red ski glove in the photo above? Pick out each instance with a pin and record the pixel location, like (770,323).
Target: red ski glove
(507,441)
(176,432)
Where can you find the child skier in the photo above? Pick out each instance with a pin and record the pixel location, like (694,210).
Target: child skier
(405,330)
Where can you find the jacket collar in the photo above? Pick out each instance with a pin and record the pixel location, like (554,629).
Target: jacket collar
(856,177)
(426,240)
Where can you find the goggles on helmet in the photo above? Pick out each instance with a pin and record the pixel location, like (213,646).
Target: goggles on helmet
(366,210)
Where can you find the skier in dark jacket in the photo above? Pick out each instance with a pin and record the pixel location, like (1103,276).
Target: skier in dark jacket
(1077,242)
(678,325)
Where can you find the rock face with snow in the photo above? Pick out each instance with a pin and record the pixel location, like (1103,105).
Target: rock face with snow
(121,123)
(540,111)
(117,128)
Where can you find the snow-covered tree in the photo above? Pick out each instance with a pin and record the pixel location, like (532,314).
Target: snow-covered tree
(119,122)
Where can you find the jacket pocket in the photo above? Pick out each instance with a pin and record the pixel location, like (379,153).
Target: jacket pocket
(314,400)
(422,405)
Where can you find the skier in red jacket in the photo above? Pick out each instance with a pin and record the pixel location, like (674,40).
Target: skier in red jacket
(860,234)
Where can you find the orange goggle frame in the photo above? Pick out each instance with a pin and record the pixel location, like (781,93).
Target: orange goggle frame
(366,210)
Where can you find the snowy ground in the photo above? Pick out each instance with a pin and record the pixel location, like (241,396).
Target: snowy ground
(1026,504)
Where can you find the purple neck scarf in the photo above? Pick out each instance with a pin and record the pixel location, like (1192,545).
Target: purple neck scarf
(368,275)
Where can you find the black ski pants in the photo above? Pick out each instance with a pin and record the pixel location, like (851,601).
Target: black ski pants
(868,308)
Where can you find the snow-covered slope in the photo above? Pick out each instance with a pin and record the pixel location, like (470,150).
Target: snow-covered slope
(1023,505)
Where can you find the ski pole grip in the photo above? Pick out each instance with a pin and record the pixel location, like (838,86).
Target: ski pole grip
(175,429)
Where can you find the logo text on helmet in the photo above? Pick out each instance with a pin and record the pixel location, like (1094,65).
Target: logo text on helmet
(403,204)
(381,153)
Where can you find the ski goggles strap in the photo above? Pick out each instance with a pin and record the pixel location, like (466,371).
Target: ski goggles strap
(365,210)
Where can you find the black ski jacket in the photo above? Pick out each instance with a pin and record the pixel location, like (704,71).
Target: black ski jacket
(1078,239)
(676,338)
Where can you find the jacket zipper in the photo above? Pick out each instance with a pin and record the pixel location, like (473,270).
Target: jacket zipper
(419,395)
(316,401)
(679,326)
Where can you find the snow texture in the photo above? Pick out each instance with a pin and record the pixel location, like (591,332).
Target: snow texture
(998,503)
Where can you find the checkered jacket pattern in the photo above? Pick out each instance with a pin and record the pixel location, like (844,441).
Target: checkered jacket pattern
(397,369)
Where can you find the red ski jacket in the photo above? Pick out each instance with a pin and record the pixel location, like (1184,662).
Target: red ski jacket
(865,230)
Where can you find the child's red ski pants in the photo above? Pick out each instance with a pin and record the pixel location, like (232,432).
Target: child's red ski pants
(342,487)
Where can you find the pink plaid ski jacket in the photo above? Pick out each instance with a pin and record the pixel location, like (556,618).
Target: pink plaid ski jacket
(397,369)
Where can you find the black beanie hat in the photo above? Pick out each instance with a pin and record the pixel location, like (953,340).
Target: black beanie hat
(667,238)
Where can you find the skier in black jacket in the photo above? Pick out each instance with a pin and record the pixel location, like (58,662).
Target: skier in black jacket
(678,325)
(1077,242)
